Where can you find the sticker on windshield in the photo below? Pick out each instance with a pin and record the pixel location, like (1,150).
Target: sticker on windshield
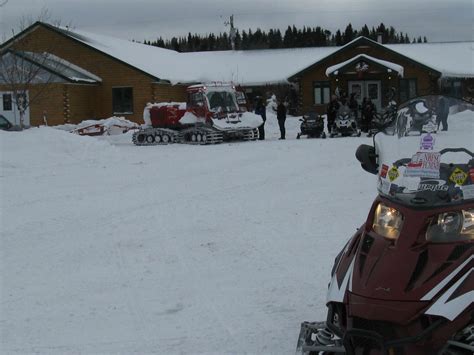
(393,173)
(471,174)
(384,186)
(468,191)
(458,177)
(383,171)
(427,142)
(424,164)
(433,185)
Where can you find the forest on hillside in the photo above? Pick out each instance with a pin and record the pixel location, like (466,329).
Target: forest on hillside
(293,37)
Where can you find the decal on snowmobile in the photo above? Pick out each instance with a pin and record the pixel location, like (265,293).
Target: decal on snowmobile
(336,293)
(383,171)
(471,174)
(467,191)
(435,290)
(451,308)
(433,185)
(427,142)
(393,173)
(458,177)
(424,164)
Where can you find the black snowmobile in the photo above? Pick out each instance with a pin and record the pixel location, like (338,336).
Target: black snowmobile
(312,125)
(383,120)
(345,124)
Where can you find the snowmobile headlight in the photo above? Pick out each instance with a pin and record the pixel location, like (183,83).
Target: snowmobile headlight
(451,227)
(387,221)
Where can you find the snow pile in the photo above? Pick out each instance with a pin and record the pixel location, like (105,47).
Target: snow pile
(109,124)
(245,120)
(191,118)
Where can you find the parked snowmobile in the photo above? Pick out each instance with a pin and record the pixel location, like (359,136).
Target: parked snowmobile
(345,124)
(384,120)
(212,114)
(312,125)
(418,117)
(404,282)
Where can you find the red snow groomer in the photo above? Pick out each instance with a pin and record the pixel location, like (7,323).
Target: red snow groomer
(211,115)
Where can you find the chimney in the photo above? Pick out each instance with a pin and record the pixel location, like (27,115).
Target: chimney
(380,37)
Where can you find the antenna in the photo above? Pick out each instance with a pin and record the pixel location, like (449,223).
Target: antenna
(232,31)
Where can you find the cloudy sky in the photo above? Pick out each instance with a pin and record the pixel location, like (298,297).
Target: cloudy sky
(439,20)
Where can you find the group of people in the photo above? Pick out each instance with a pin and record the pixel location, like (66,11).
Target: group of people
(260,109)
(366,109)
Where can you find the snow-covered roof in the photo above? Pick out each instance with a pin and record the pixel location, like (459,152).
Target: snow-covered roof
(260,67)
(452,59)
(61,67)
(389,65)
(252,67)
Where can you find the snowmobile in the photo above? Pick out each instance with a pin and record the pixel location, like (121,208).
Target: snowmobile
(404,282)
(345,124)
(312,125)
(418,117)
(383,120)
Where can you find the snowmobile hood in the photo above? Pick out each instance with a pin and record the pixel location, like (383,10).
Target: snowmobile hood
(380,273)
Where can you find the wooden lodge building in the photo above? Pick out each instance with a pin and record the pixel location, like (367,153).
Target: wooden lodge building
(83,76)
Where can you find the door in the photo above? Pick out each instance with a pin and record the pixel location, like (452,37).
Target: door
(357,88)
(9,109)
(374,92)
(368,88)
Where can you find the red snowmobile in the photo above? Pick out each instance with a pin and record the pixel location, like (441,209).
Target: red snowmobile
(404,283)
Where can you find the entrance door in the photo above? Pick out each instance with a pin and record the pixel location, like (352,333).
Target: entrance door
(9,109)
(367,88)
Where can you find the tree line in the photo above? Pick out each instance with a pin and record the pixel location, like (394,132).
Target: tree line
(292,38)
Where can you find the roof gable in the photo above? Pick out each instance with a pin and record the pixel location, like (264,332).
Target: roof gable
(361,42)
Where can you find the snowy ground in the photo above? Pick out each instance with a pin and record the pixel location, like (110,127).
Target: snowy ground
(111,248)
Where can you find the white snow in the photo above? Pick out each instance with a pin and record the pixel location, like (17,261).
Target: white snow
(107,247)
(389,65)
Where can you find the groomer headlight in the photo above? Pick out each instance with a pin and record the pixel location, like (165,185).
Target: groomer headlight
(451,227)
(387,222)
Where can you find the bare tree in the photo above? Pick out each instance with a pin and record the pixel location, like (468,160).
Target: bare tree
(21,69)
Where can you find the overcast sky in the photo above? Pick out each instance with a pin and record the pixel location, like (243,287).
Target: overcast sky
(439,20)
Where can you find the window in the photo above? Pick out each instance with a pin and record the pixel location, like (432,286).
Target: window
(452,88)
(321,92)
(7,102)
(407,89)
(122,100)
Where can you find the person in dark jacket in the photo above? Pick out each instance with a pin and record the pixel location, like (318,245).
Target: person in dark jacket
(281,116)
(331,110)
(354,106)
(262,111)
(368,111)
(442,113)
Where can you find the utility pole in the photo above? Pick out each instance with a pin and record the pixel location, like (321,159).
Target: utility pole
(232,31)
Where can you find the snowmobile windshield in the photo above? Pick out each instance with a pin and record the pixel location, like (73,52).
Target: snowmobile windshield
(222,101)
(426,157)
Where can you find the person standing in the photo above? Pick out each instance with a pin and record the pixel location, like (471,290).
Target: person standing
(442,113)
(261,110)
(331,110)
(368,111)
(281,116)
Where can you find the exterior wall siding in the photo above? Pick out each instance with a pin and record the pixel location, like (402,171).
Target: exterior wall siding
(88,102)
